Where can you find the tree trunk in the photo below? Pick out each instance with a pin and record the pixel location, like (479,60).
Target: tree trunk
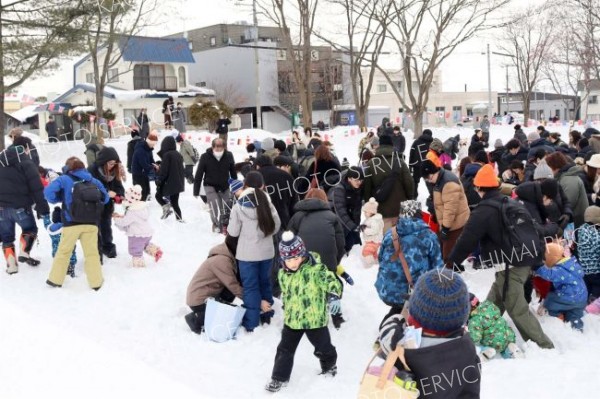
(99,108)
(418,123)
(361,117)
(526,108)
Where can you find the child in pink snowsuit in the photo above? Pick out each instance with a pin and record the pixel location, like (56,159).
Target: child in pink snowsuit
(372,229)
(135,224)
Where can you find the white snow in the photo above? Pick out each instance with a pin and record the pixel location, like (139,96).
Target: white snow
(131,95)
(130,339)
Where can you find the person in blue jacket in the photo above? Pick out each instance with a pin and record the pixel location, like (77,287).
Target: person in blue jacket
(61,190)
(421,249)
(143,168)
(569,296)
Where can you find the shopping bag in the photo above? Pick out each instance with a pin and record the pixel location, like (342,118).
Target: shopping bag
(380,386)
(222,320)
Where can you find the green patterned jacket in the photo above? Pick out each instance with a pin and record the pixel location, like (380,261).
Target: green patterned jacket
(487,327)
(304,294)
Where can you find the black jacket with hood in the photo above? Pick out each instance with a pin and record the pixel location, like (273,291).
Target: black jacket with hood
(111,183)
(171,178)
(214,172)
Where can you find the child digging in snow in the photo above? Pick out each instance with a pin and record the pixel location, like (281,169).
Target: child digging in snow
(372,229)
(569,296)
(490,332)
(135,224)
(308,288)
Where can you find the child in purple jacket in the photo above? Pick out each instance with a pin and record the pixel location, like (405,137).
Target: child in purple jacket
(135,224)
(569,296)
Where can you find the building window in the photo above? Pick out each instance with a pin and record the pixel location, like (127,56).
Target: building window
(457,108)
(113,75)
(593,100)
(181,73)
(440,109)
(213,41)
(381,88)
(89,77)
(201,84)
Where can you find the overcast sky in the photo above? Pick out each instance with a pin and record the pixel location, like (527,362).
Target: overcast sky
(466,67)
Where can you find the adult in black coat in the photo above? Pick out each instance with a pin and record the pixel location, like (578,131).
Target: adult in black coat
(223,127)
(585,149)
(280,187)
(532,195)
(520,135)
(538,143)
(345,200)
(171,177)
(143,124)
(398,141)
(418,153)
(20,188)
(325,168)
(215,168)
(32,151)
(320,229)
(143,168)
(106,170)
(135,138)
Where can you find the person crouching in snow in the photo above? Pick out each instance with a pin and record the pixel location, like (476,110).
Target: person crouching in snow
(54,228)
(135,224)
(445,365)
(372,230)
(217,277)
(308,289)
(569,297)
(490,332)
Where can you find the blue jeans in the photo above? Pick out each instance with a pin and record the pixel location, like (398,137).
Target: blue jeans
(573,311)
(257,287)
(21,216)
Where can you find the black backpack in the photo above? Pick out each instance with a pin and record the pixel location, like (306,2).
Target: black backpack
(387,185)
(86,202)
(522,244)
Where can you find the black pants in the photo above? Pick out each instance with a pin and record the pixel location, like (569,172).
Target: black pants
(188,172)
(290,338)
(200,312)
(275,288)
(352,238)
(105,230)
(592,282)
(173,199)
(416,180)
(144,182)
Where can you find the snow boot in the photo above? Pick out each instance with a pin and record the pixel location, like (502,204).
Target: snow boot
(513,351)
(138,261)
(154,251)
(330,372)
(11,261)
(26,241)
(71,270)
(166,208)
(337,320)
(275,385)
(53,285)
(486,353)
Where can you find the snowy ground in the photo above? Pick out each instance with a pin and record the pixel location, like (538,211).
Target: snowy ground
(130,339)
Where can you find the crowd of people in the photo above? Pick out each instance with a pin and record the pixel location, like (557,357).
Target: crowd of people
(291,213)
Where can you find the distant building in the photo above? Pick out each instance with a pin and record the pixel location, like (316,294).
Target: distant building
(543,106)
(589,95)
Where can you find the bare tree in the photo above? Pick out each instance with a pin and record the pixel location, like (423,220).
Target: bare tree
(425,33)
(34,34)
(586,20)
(366,23)
(290,16)
(529,47)
(110,27)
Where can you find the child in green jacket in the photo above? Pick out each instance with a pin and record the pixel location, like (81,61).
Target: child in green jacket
(308,288)
(490,332)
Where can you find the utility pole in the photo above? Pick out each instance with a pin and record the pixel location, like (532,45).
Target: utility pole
(257,71)
(489,82)
(507,92)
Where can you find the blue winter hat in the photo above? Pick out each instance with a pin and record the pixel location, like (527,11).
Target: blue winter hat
(291,246)
(440,302)
(234,185)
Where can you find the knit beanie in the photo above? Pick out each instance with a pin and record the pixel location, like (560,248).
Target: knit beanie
(291,246)
(428,168)
(133,194)
(267,144)
(436,145)
(592,215)
(549,188)
(498,144)
(486,177)
(409,208)
(375,141)
(234,185)
(440,302)
(533,136)
(554,253)
(542,171)
(254,179)
(370,206)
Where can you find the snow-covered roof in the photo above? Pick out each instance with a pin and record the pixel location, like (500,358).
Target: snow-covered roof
(131,95)
(25,112)
(84,108)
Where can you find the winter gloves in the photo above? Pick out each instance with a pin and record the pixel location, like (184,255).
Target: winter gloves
(333,301)
(342,273)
